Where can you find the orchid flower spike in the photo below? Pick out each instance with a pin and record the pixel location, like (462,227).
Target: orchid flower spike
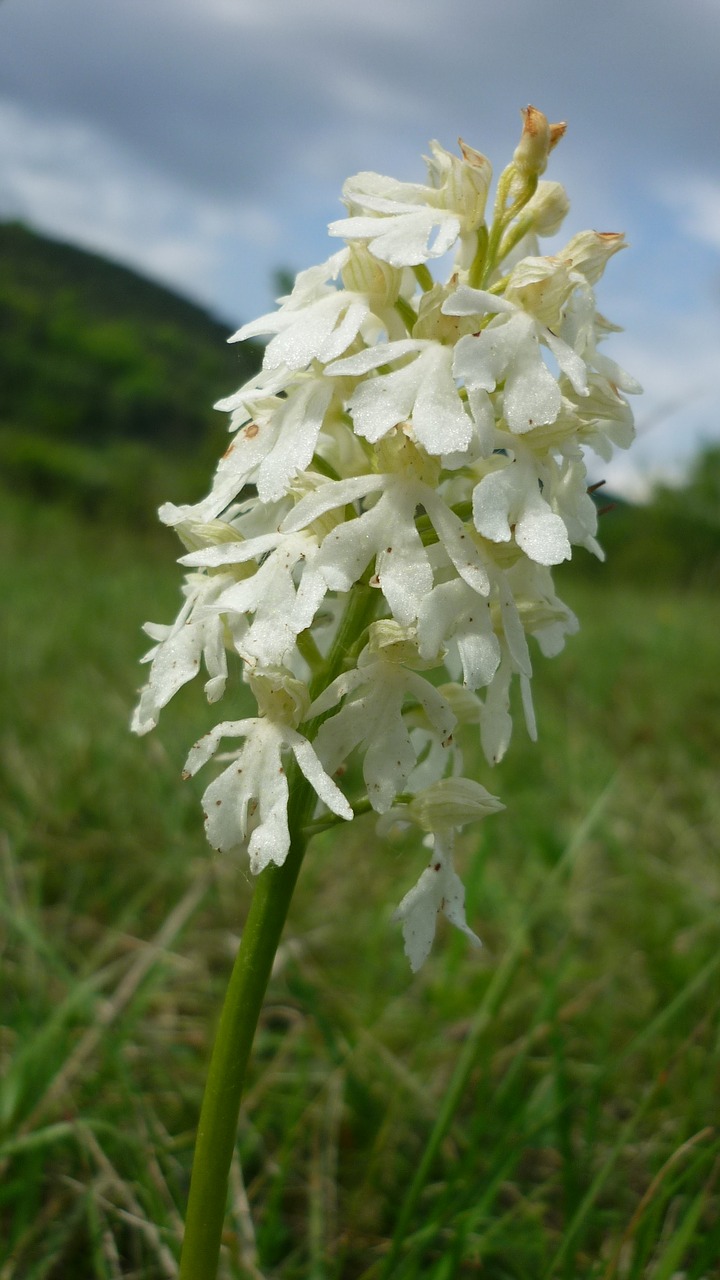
(374,556)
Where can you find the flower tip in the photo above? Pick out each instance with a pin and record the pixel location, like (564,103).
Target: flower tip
(536,142)
(557,131)
(614,240)
(473,157)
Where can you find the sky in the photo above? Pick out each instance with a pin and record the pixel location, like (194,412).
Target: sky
(205,143)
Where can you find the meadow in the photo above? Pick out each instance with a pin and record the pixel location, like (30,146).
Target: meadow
(546,1109)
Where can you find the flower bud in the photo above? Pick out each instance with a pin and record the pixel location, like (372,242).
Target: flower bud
(388,640)
(465,705)
(437,325)
(464,183)
(541,287)
(279,695)
(546,210)
(364,273)
(590,251)
(536,142)
(450,803)
(197,534)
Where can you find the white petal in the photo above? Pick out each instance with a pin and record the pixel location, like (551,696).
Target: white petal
(389,760)
(493,498)
(206,746)
(439,421)
(336,493)
(438,889)
(403,239)
(479,655)
(418,912)
(298,422)
(496,723)
(379,404)
(436,707)
(541,534)
(514,630)
(458,544)
(329,793)
(532,396)
(570,363)
(373,357)
(475,302)
(237,552)
(616,376)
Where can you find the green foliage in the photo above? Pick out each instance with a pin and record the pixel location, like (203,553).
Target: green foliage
(97,363)
(671,540)
(542,1110)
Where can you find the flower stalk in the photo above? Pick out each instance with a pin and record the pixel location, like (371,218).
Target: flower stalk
(377,546)
(217,1128)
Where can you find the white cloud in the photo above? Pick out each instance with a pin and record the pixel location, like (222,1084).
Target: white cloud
(73,184)
(696,201)
(675,359)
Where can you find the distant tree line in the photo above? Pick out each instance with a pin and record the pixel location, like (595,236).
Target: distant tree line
(673,538)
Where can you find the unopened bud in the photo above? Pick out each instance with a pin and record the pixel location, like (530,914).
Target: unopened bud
(590,251)
(279,695)
(450,803)
(464,183)
(364,273)
(536,142)
(546,210)
(388,640)
(541,287)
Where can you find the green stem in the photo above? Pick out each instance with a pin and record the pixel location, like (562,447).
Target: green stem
(423,277)
(226,1076)
(246,990)
(406,313)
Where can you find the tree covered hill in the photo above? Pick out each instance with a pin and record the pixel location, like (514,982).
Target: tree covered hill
(92,353)
(107,380)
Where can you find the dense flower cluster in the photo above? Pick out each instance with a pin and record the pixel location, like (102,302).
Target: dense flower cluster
(421,438)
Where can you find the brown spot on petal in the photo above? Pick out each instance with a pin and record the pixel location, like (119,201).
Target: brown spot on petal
(229,450)
(437,866)
(251,431)
(471,156)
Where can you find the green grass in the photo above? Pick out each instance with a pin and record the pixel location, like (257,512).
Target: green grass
(547,1110)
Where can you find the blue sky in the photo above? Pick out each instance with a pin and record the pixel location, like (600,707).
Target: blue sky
(205,142)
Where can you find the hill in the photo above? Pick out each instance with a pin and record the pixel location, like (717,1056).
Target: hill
(98,366)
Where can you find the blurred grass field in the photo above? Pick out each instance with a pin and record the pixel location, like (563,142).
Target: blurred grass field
(547,1109)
